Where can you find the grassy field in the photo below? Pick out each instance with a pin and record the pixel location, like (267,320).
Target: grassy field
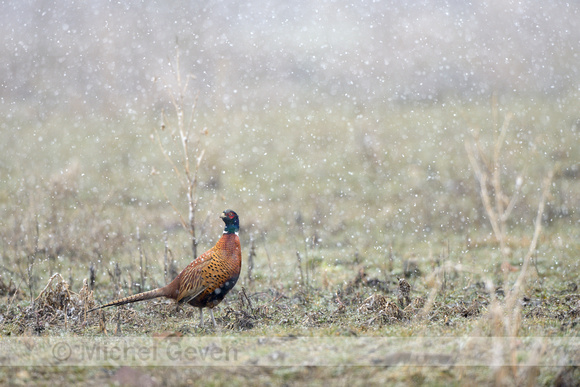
(338,203)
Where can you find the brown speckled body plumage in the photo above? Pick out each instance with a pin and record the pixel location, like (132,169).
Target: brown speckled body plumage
(204,282)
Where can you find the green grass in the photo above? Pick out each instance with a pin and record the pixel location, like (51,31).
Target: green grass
(351,191)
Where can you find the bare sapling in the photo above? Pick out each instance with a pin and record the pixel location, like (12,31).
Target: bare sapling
(504,318)
(497,204)
(191,150)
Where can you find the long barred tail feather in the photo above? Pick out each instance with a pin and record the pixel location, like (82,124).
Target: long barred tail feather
(160,292)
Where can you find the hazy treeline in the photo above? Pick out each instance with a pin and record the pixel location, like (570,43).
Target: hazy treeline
(104,56)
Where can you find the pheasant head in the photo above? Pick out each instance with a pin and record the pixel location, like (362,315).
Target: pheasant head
(231,220)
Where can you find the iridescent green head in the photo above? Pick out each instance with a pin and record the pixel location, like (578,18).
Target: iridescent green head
(231,220)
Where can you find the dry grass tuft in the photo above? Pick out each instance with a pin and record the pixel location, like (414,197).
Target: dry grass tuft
(373,304)
(54,296)
(57,305)
(238,320)
(389,314)
(464,309)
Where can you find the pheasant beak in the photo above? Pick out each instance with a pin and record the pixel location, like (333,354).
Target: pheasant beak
(223,215)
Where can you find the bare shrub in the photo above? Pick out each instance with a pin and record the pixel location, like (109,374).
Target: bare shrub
(180,132)
(505,318)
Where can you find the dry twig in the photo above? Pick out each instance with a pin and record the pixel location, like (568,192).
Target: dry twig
(192,154)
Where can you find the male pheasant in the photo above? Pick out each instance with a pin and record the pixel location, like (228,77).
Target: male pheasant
(205,281)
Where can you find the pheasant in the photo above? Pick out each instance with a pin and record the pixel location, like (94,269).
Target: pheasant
(204,282)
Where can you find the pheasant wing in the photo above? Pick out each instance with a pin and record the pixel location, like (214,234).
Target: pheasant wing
(193,282)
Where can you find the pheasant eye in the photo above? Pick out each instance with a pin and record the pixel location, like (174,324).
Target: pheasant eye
(231,215)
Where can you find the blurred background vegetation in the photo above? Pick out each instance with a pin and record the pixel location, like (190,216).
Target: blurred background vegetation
(333,128)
